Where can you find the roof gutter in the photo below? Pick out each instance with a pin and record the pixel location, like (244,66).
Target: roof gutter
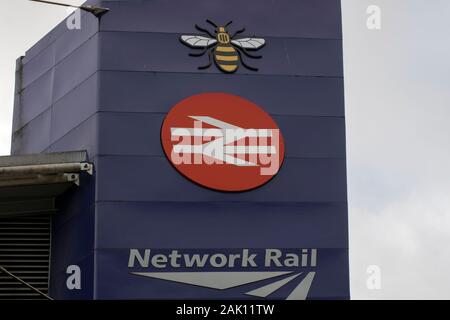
(43,174)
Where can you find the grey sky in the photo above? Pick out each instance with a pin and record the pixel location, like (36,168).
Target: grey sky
(397,107)
(397,82)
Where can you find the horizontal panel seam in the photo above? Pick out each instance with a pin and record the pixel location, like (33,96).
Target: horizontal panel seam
(230,75)
(163,156)
(195,32)
(224,201)
(272,114)
(221,74)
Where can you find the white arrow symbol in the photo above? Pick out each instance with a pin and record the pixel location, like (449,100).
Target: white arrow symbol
(219,148)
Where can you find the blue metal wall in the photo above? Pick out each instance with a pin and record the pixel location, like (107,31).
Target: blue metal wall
(107,87)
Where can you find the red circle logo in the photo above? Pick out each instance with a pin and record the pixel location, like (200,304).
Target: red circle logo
(222,142)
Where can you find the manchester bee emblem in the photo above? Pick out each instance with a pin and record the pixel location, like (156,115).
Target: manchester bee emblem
(221,47)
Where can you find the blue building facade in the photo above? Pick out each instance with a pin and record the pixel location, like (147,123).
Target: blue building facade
(138,228)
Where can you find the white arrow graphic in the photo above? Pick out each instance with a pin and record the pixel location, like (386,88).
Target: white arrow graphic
(227,280)
(220,148)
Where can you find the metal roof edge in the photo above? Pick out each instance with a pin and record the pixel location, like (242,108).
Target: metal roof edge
(44,158)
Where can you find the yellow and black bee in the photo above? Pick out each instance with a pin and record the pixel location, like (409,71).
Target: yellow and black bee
(227,52)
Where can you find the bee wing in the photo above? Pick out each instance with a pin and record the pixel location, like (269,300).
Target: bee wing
(249,43)
(198,41)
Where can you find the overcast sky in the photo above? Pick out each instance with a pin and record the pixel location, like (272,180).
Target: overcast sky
(397,86)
